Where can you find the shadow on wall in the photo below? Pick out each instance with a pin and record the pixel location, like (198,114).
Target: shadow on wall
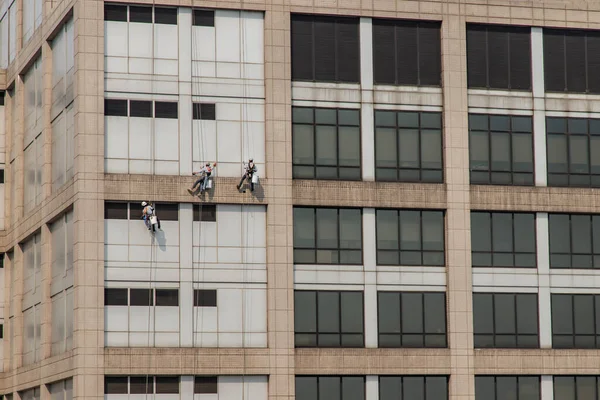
(160,239)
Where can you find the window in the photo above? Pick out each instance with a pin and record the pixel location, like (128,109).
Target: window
(509,164)
(410,237)
(138,108)
(411,319)
(330,388)
(327,235)
(413,387)
(165,109)
(115,210)
(141,384)
(140,14)
(115,107)
(141,297)
(575,321)
(326,143)
(165,16)
(167,297)
(501,239)
(328,319)
(325,49)
(571,60)
(507,387)
(167,211)
(115,385)
(205,298)
(204,111)
(573,152)
(1,331)
(113,12)
(31,394)
(1,176)
(205,212)
(61,390)
(505,320)
(115,297)
(408,146)
(577,387)
(498,57)
(203,18)
(32,13)
(574,240)
(406,52)
(205,384)
(167,385)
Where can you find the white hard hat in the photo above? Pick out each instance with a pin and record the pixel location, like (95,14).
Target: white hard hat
(144,204)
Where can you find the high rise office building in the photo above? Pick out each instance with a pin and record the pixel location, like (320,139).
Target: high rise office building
(426,224)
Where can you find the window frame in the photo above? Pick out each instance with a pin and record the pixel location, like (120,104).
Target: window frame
(574,381)
(204,111)
(340,334)
(203,17)
(337,127)
(421,251)
(317,380)
(205,384)
(571,254)
(208,297)
(396,127)
(205,212)
(519,379)
(573,324)
(338,249)
(489,170)
(424,378)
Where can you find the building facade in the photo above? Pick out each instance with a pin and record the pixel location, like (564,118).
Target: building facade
(392,248)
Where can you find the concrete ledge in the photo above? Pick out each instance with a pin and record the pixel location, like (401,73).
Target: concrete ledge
(537,362)
(186,361)
(46,371)
(372,361)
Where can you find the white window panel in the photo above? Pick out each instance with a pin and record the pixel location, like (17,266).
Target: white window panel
(227,25)
(166,39)
(252,31)
(140,137)
(140,40)
(114,45)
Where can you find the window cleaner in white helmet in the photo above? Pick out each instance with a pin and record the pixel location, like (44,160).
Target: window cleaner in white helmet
(147,214)
(204,174)
(249,171)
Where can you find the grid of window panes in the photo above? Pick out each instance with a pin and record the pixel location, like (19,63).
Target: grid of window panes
(408,146)
(501,149)
(330,387)
(326,143)
(585,387)
(574,240)
(507,387)
(501,239)
(573,151)
(413,387)
(328,319)
(411,319)
(327,235)
(410,237)
(575,321)
(505,320)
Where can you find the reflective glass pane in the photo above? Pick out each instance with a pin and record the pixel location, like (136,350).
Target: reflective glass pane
(578,152)
(431,149)
(387,230)
(302,115)
(349,145)
(435,312)
(504,310)
(412,313)
(410,230)
(327,228)
(350,229)
(348,117)
(501,149)
(414,388)
(478,122)
(529,388)
(581,230)
(483,313)
(586,387)
(303,146)
(408,119)
(583,307)
(304,227)
(564,388)
(595,155)
(500,123)
(305,311)
(524,230)
(329,388)
(557,154)
(527,315)
(389,312)
(408,148)
(352,311)
(577,126)
(437,388)
(433,230)
(506,388)
(522,153)
(328,312)
(390,388)
(481,232)
(306,388)
(325,116)
(431,120)
(385,118)
(326,145)
(502,232)
(562,314)
(485,388)
(386,148)
(521,124)
(560,238)
(353,388)
(479,151)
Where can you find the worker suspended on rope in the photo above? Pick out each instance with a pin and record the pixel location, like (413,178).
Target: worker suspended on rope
(249,174)
(204,174)
(147,214)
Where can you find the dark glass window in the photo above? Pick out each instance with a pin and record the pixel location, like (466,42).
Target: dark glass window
(205,384)
(490,387)
(325,48)
(115,210)
(203,18)
(204,111)
(2,97)
(115,297)
(498,57)
(573,151)
(330,388)
(327,235)
(167,385)
(408,146)
(1,331)
(505,320)
(406,52)
(413,387)
(575,321)
(113,12)
(501,149)
(2,260)
(328,319)
(115,108)
(205,212)
(500,239)
(165,109)
(165,16)
(1,176)
(411,319)
(574,241)
(326,143)
(135,211)
(584,387)
(410,237)
(141,297)
(205,298)
(141,384)
(140,108)
(571,60)
(167,297)
(115,385)
(140,14)
(167,211)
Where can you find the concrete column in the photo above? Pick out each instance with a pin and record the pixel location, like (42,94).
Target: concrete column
(186,289)
(367,124)
(539,107)
(547,388)
(543,267)
(458,244)
(185,91)
(187,388)
(372,387)
(370,271)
